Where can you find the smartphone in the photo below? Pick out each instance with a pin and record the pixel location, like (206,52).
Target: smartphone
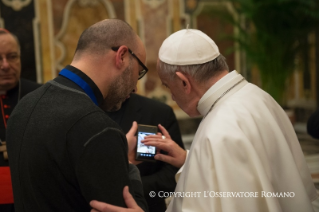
(143,152)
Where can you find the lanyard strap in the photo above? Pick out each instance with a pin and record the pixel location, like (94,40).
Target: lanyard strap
(80,82)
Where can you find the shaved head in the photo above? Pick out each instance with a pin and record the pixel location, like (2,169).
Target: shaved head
(6,32)
(100,37)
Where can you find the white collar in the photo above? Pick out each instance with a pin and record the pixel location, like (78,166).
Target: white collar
(216,90)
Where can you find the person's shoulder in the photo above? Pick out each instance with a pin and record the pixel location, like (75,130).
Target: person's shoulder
(28,84)
(151,103)
(99,118)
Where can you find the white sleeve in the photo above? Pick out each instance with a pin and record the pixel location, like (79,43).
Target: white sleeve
(181,169)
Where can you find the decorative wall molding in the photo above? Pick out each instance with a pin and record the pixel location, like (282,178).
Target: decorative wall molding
(16,4)
(230,8)
(141,33)
(50,42)
(88,3)
(183,14)
(37,43)
(107,4)
(154,3)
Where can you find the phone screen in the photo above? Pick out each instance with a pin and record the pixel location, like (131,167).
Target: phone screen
(144,152)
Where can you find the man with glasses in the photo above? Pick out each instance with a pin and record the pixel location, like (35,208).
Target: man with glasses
(156,176)
(144,69)
(64,150)
(12,89)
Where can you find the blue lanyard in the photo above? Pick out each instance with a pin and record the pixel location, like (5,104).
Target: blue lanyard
(80,82)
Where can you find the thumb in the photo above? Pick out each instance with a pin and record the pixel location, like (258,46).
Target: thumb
(169,159)
(133,129)
(165,158)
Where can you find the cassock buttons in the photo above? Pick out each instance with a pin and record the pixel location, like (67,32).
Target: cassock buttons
(6,116)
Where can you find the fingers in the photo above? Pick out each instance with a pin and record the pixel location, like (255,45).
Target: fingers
(96,204)
(164,131)
(174,161)
(160,144)
(164,158)
(101,206)
(129,200)
(153,137)
(104,207)
(131,138)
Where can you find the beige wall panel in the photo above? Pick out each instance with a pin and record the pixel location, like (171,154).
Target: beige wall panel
(158,21)
(77,20)
(62,22)
(47,60)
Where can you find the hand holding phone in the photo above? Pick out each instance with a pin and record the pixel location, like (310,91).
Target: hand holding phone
(143,152)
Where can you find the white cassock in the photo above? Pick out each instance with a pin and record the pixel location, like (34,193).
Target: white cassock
(246,146)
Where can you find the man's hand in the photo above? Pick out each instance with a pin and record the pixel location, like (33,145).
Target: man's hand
(176,156)
(129,201)
(131,141)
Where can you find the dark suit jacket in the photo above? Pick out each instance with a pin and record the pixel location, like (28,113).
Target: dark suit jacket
(11,100)
(156,176)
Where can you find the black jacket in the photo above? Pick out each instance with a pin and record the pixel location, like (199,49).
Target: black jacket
(9,101)
(65,151)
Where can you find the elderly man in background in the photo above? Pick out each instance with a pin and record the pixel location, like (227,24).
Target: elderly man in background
(12,89)
(245,155)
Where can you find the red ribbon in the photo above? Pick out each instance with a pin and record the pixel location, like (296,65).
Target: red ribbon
(6,193)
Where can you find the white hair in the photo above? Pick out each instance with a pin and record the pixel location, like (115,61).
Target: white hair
(200,72)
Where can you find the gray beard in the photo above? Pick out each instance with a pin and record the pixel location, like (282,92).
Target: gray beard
(118,91)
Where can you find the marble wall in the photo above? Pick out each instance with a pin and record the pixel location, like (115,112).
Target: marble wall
(49,31)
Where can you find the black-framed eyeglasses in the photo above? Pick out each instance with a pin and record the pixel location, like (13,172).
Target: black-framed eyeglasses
(145,69)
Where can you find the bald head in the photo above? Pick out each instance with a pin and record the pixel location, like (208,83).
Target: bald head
(100,37)
(6,32)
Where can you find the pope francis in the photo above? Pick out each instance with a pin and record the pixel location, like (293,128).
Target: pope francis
(245,155)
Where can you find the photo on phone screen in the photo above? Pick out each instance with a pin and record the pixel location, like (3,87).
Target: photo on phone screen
(142,148)
(144,152)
